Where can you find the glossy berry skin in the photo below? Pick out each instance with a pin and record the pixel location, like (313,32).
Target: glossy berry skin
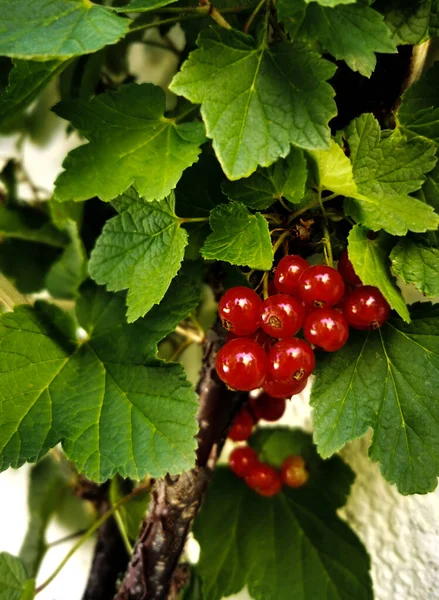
(326,328)
(239,310)
(242,426)
(242,459)
(294,472)
(282,316)
(365,308)
(291,360)
(272,490)
(288,273)
(321,286)
(261,476)
(242,364)
(346,269)
(267,408)
(276,389)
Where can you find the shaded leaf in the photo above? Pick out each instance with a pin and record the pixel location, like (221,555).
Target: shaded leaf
(14,584)
(417,264)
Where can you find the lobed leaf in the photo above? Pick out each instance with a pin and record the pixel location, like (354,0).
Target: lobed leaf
(14,584)
(417,264)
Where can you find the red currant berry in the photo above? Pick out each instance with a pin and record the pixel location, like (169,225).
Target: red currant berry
(272,490)
(242,426)
(242,459)
(346,269)
(282,316)
(288,273)
(267,408)
(321,286)
(242,364)
(294,472)
(326,328)
(261,476)
(291,360)
(276,389)
(239,310)
(366,308)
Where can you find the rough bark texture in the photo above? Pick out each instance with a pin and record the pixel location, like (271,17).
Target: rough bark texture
(175,500)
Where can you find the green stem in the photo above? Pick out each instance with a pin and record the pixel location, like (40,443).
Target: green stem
(327,248)
(87,535)
(166,21)
(253,16)
(309,206)
(123,532)
(280,241)
(9,295)
(194,220)
(187,112)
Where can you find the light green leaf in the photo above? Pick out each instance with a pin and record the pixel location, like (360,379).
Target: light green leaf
(410,21)
(27,224)
(417,264)
(285,179)
(334,170)
(140,250)
(112,404)
(14,584)
(131,143)
(419,110)
(386,379)
(351,33)
(143,5)
(386,170)
(239,237)
(307,551)
(256,101)
(26,80)
(70,270)
(370,258)
(56,29)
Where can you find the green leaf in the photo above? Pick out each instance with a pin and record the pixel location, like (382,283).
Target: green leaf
(239,237)
(113,405)
(56,29)
(70,270)
(49,482)
(143,5)
(14,584)
(131,513)
(351,33)
(370,258)
(417,264)
(386,379)
(429,193)
(410,21)
(26,80)
(285,179)
(386,170)
(26,264)
(331,2)
(131,143)
(255,101)
(307,551)
(29,225)
(334,170)
(141,250)
(419,110)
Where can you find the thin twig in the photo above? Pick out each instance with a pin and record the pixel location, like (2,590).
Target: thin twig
(189,334)
(215,14)
(253,16)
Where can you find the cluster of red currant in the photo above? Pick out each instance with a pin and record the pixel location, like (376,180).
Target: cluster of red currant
(263,478)
(264,351)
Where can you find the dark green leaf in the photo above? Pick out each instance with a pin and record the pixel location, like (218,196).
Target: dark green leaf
(70,270)
(410,21)
(143,5)
(26,264)
(417,264)
(29,225)
(14,584)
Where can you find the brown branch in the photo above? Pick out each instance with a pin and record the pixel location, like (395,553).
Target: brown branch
(175,500)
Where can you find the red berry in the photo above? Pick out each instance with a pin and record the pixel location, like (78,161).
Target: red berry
(242,426)
(290,360)
(294,472)
(267,408)
(366,308)
(239,310)
(272,490)
(276,389)
(261,476)
(282,316)
(242,364)
(321,286)
(242,459)
(288,273)
(346,269)
(326,328)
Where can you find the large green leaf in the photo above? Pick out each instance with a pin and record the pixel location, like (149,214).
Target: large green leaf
(417,264)
(386,169)
(352,33)
(143,5)
(370,256)
(140,250)
(239,237)
(385,379)
(299,549)
(131,143)
(410,21)
(14,584)
(334,170)
(56,29)
(115,406)
(257,101)
(285,179)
